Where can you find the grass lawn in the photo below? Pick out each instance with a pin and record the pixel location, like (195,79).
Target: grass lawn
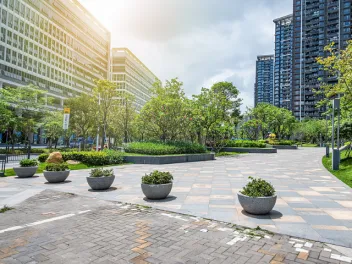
(308,145)
(345,172)
(81,166)
(137,154)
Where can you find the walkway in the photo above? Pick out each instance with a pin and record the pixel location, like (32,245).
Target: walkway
(311,204)
(56,227)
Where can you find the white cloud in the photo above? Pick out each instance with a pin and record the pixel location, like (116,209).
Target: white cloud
(199,41)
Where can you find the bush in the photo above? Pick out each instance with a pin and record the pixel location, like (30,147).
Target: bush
(29,163)
(283,142)
(157,177)
(169,148)
(258,188)
(92,158)
(43,157)
(56,167)
(100,172)
(244,144)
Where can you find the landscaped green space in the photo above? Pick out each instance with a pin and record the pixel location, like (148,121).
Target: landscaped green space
(345,171)
(72,167)
(244,144)
(227,154)
(309,145)
(169,148)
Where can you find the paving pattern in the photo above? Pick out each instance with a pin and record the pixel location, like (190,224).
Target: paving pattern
(57,227)
(311,203)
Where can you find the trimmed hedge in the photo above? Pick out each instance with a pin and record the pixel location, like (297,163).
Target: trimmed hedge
(21,151)
(284,142)
(169,148)
(90,158)
(244,144)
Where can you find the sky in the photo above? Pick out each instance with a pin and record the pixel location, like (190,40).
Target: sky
(199,41)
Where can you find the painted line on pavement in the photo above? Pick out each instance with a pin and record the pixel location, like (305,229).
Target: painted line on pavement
(42,222)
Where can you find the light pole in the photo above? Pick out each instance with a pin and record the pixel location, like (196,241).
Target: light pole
(96,145)
(335,152)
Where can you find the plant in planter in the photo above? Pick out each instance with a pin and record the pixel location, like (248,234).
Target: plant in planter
(157,185)
(257,197)
(28,167)
(56,172)
(101,179)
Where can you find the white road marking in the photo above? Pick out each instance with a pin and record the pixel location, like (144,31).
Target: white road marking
(235,240)
(83,212)
(41,222)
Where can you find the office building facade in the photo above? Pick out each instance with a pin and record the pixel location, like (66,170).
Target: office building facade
(131,75)
(283,62)
(316,23)
(264,80)
(56,45)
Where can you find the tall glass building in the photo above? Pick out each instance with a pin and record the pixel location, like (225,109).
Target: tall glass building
(131,75)
(283,62)
(56,45)
(264,80)
(316,23)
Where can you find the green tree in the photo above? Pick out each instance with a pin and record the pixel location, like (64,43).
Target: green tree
(53,128)
(83,117)
(28,104)
(338,64)
(214,109)
(164,114)
(105,97)
(122,121)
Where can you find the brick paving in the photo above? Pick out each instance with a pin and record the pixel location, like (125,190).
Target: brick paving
(56,227)
(311,204)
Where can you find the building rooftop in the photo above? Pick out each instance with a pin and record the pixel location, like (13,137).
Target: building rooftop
(134,57)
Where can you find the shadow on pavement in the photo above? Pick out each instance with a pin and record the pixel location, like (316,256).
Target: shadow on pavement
(57,182)
(168,199)
(111,189)
(272,215)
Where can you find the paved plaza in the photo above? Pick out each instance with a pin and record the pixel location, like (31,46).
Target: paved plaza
(312,203)
(57,227)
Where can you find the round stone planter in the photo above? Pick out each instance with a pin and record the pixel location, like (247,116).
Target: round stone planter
(25,172)
(257,205)
(156,191)
(56,176)
(100,183)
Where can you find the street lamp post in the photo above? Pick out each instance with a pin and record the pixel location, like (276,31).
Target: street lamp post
(97,143)
(335,151)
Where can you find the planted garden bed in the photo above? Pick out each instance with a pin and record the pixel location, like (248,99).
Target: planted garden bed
(284,147)
(250,150)
(168,159)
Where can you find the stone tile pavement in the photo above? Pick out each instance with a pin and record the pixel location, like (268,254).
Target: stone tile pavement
(57,227)
(311,204)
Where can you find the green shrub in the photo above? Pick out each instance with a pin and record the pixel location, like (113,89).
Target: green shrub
(100,172)
(92,158)
(43,157)
(28,163)
(169,148)
(284,142)
(56,167)
(258,188)
(157,177)
(244,144)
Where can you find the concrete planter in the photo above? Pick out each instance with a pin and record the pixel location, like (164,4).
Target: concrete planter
(56,176)
(284,147)
(251,150)
(25,172)
(100,183)
(169,159)
(257,205)
(156,191)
